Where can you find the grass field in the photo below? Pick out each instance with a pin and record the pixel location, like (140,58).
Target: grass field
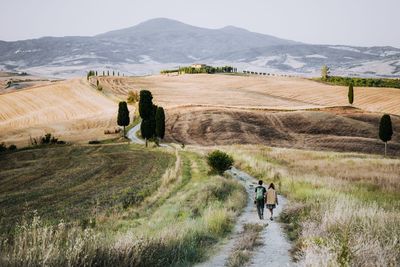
(344,207)
(75,183)
(112,205)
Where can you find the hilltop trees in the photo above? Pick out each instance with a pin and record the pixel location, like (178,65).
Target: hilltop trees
(90,74)
(123,115)
(350,94)
(325,72)
(153,117)
(385,130)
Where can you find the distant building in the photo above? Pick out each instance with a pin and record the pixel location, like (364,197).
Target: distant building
(198,66)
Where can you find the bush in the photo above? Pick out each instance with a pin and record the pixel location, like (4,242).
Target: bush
(3,147)
(133,97)
(47,139)
(12,147)
(219,161)
(94,142)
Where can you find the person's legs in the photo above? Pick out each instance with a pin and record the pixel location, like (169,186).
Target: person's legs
(260,209)
(272,213)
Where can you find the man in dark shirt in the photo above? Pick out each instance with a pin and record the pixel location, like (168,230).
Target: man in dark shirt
(259,199)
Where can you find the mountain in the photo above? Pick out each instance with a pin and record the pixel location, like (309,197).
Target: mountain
(160,43)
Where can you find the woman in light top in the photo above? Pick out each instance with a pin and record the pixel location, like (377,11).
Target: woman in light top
(271,199)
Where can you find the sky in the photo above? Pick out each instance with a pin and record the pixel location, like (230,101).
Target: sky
(341,22)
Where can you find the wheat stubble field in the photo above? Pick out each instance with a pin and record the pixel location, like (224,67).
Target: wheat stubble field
(278,111)
(210,109)
(252,92)
(70,109)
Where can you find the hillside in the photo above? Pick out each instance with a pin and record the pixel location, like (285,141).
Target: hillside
(71,110)
(337,129)
(162,43)
(112,205)
(252,92)
(275,111)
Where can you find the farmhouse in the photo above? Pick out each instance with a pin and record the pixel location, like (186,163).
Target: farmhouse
(198,66)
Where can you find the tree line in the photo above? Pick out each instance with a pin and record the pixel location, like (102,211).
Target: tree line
(355,81)
(91,73)
(203,69)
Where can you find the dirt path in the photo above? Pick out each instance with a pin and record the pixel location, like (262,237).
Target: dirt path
(275,248)
(133,137)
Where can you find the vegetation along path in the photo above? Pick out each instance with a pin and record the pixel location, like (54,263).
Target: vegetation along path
(274,250)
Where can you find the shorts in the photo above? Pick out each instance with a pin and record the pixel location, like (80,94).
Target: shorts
(270,206)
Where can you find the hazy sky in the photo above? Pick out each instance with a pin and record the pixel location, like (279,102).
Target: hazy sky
(351,22)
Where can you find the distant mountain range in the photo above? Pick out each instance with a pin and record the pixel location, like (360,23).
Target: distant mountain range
(163,43)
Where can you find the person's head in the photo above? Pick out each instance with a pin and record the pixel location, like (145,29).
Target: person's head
(260,182)
(271,185)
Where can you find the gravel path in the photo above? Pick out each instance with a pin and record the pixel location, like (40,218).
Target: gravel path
(133,137)
(275,248)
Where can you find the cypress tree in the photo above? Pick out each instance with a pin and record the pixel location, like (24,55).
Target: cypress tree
(104,73)
(160,123)
(147,113)
(108,73)
(385,130)
(96,72)
(123,115)
(146,105)
(350,95)
(113,73)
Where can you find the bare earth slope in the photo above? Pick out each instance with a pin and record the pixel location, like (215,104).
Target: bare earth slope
(338,129)
(71,110)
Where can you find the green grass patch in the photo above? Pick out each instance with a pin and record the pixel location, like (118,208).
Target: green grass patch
(74,183)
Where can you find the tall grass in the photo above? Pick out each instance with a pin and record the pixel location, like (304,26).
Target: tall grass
(344,208)
(175,226)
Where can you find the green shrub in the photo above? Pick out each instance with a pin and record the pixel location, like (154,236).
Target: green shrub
(219,161)
(94,142)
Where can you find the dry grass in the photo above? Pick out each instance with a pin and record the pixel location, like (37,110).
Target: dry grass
(252,92)
(71,110)
(345,207)
(175,226)
(248,240)
(339,129)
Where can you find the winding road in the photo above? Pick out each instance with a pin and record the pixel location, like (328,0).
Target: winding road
(274,252)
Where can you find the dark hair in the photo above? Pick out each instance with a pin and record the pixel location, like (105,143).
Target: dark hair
(260,182)
(271,185)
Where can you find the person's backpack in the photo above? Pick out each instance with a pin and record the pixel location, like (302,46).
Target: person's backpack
(260,193)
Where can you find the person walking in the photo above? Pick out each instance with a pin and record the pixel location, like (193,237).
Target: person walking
(271,199)
(259,199)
